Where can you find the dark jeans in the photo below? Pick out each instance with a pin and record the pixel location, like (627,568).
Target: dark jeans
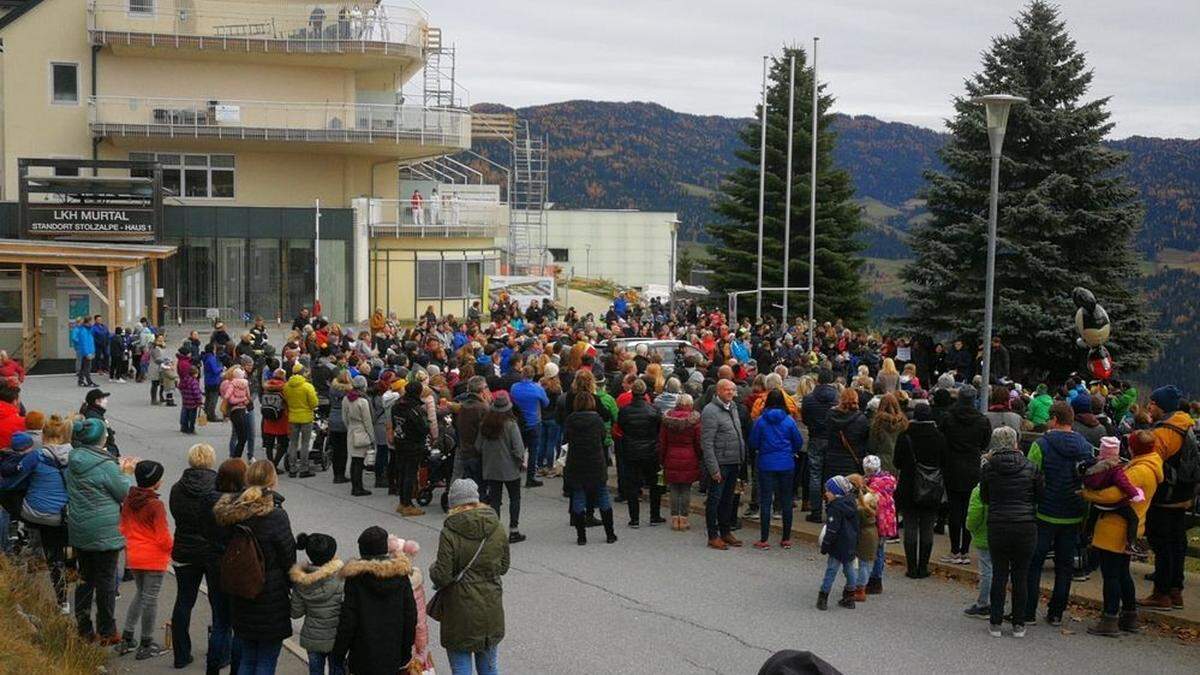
(382,455)
(1118,583)
(276,448)
(532,438)
(1011,545)
(240,425)
(1063,538)
(97,577)
(406,476)
(816,458)
(960,538)
(317,661)
(1166,529)
(473,469)
(643,472)
(84,376)
(551,441)
(774,485)
(337,452)
(259,657)
(54,547)
(187,420)
(211,394)
(187,584)
(718,504)
(918,537)
(495,499)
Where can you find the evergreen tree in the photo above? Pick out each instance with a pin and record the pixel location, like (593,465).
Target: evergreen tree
(734,253)
(1066,218)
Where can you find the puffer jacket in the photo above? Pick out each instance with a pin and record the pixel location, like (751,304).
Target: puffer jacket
(190,391)
(776,439)
(883,484)
(337,395)
(841,529)
(586,464)
(639,422)
(279,426)
(46,492)
(679,446)
(187,503)
(301,399)
(815,409)
(267,617)
(474,607)
(840,460)
(379,615)
(721,436)
(236,392)
(317,598)
(1011,487)
(1038,412)
(96,487)
(967,434)
(1058,454)
(1145,472)
(11,422)
(212,370)
(147,535)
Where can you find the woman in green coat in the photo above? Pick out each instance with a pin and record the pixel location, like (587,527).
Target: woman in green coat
(473,617)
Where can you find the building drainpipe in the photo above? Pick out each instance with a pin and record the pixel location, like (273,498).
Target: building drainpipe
(95,141)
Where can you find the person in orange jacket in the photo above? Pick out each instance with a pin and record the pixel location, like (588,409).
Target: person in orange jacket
(148,546)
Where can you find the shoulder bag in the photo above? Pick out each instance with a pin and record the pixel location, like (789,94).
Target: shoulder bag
(436,608)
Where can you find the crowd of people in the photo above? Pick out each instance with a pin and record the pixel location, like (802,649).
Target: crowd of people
(872,436)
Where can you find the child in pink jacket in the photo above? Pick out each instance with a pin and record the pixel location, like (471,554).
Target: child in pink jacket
(883,484)
(410,548)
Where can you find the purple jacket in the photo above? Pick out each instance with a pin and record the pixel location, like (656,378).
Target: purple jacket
(190,390)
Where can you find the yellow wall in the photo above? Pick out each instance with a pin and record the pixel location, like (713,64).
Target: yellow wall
(153,78)
(393,272)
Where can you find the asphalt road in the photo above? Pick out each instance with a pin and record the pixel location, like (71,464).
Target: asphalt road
(659,601)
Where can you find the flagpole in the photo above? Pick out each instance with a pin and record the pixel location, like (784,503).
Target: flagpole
(787,200)
(812,201)
(762,186)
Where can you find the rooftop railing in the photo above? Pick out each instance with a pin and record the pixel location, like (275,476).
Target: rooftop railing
(278,120)
(316,27)
(435,216)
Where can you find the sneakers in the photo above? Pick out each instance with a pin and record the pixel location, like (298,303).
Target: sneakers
(949,559)
(1018,631)
(149,650)
(126,645)
(410,511)
(963,559)
(1055,621)
(633,525)
(657,521)
(977,612)
(533,482)
(515,537)
(994,630)
(65,609)
(785,544)
(762,546)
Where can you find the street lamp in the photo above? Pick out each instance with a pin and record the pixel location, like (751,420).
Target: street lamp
(997,106)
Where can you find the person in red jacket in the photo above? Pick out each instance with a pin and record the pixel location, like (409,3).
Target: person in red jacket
(10,369)
(679,454)
(148,546)
(275,429)
(11,419)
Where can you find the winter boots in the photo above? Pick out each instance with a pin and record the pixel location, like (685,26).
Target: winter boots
(822,601)
(847,600)
(1107,626)
(606,517)
(1128,622)
(874,586)
(356,478)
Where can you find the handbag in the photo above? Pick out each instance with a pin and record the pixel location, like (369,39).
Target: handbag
(850,449)
(436,608)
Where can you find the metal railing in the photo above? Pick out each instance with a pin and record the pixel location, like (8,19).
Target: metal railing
(448,216)
(279,120)
(316,27)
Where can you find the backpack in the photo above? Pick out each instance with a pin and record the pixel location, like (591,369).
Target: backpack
(243,572)
(1181,473)
(928,486)
(409,425)
(272,405)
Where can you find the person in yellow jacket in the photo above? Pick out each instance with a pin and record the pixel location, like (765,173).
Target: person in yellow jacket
(1144,471)
(1166,521)
(773,382)
(301,398)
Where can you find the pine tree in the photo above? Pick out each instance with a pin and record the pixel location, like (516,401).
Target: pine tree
(1066,218)
(734,254)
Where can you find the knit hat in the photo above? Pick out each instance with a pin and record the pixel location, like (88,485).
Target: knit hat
(298,369)
(408,547)
(88,431)
(1003,438)
(463,491)
(147,473)
(1081,404)
(501,404)
(945,381)
(360,383)
(967,395)
(373,542)
(1110,447)
(1167,398)
(35,420)
(871,464)
(320,547)
(838,486)
(1141,443)
(21,441)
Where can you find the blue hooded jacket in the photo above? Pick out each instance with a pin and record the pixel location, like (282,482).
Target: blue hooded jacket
(212,370)
(841,529)
(83,341)
(777,439)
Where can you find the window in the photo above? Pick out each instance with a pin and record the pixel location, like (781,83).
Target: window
(429,279)
(453,280)
(64,83)
(141,6)
(560,254)
(196,176)
(475,279)
(10,298)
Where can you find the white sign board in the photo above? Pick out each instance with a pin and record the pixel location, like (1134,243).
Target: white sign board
(212,313)
(522,289)
(227,114)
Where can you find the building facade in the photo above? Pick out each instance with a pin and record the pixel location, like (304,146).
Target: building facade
(628,247)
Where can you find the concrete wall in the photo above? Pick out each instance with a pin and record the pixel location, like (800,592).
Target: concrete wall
(631,248)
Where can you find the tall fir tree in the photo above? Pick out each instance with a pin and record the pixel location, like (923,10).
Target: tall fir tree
(734,253)
(1066,218)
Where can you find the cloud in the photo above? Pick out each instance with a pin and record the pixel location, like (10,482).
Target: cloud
(898,60)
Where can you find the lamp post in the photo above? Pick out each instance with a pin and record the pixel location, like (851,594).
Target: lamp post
(997,106)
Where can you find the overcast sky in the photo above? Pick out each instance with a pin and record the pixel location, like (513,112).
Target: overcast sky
(899,60)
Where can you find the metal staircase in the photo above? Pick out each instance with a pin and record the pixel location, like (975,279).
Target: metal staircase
(527,200)
(439,71)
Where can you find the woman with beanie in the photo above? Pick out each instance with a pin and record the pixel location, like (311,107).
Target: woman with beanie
(263,622)
(1011,487)
(472,555)
(147,554)
(96,486)
(503,454)
(1145,472)
(360,433)
(338,388)
(317,598)
(378,624)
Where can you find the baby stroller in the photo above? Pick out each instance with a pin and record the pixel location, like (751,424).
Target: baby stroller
(319,453)
(439,467)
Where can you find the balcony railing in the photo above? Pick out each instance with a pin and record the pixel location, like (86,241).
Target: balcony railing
(267,25)
(445,216)
(279,121)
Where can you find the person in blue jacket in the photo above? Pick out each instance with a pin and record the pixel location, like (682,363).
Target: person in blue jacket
(777,441)
(620,306)
(46,500)
(529,397)
(100,335)
(839,539)
(212,381)
(740,348)
(84,344)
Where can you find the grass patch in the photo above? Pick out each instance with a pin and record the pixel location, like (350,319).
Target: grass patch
(34,636)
